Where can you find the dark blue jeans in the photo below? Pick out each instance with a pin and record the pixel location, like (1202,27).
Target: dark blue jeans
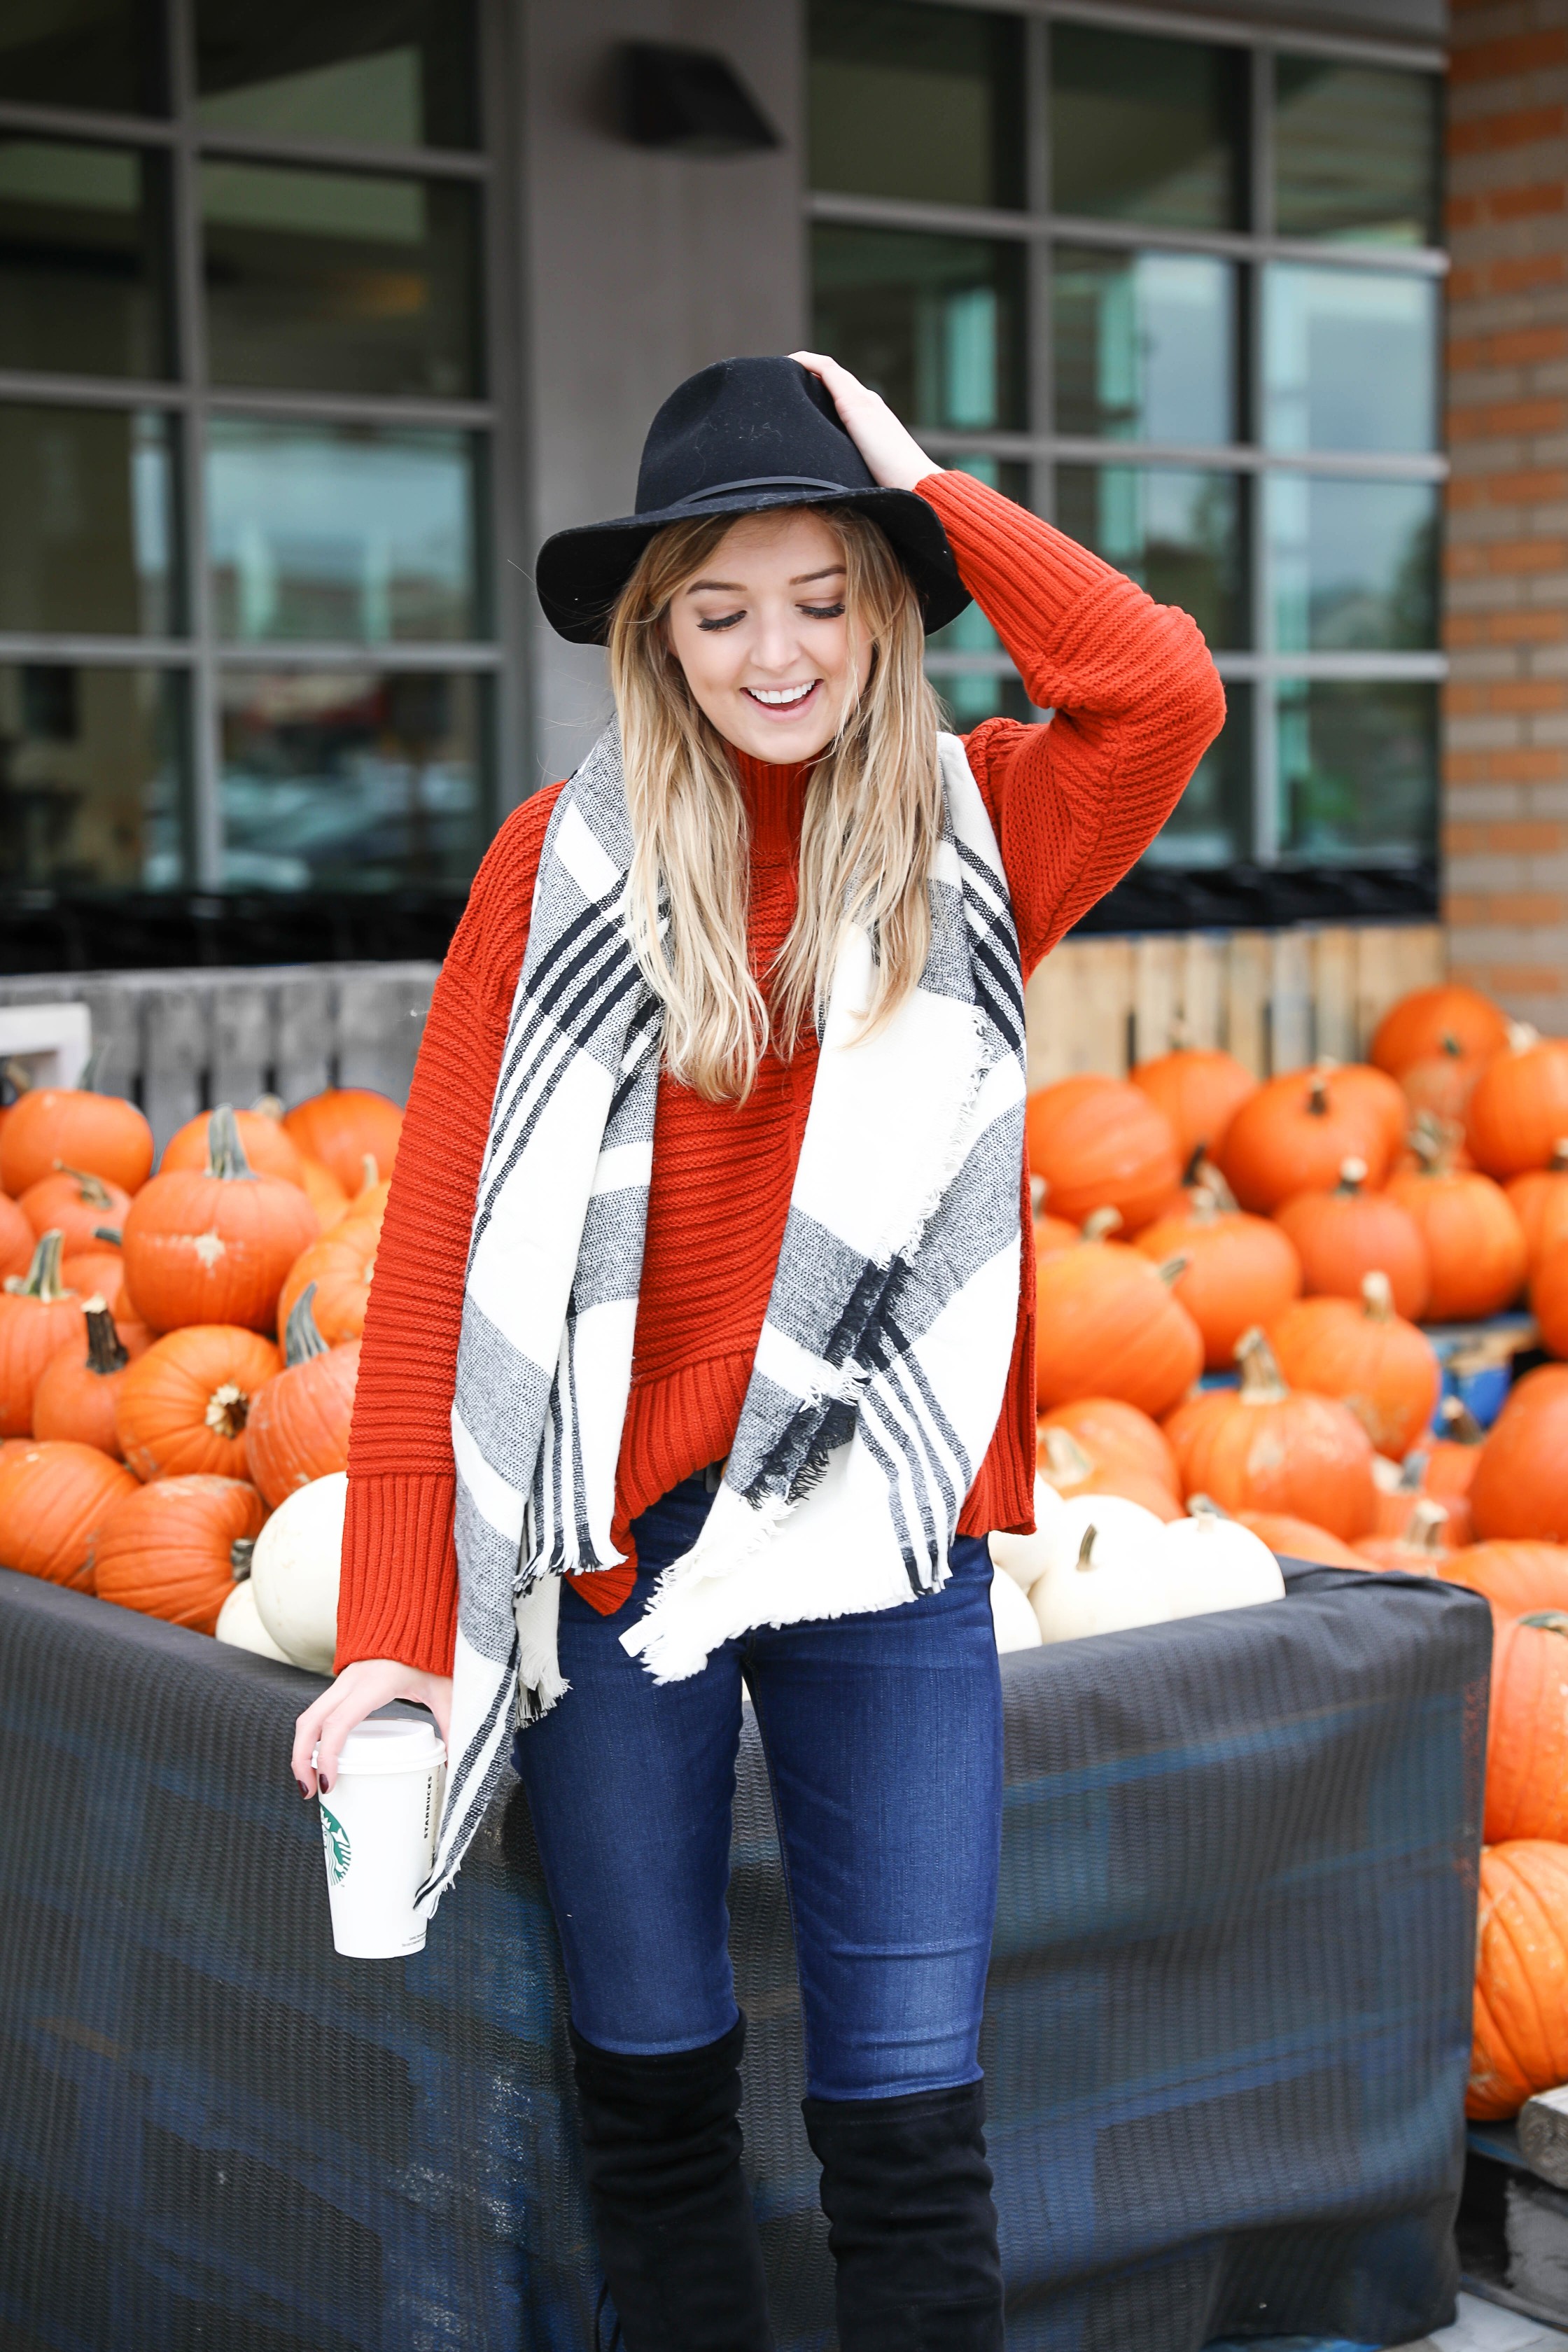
(883,1739)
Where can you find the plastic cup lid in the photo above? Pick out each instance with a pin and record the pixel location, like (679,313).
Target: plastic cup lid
(395,1743)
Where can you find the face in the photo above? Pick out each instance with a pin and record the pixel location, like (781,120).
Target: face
(762,636)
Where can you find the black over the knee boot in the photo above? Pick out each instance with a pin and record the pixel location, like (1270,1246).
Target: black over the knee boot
(661,2156)
(907,2192)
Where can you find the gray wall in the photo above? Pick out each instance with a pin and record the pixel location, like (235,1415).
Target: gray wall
(640,268)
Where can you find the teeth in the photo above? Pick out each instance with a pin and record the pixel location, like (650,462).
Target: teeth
(780,694)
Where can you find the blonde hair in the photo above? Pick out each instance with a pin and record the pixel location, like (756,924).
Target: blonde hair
(872,821)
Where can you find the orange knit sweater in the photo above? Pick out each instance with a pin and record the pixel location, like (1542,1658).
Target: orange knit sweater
(1073,802)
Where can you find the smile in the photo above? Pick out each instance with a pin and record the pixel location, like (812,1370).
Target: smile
(782,698)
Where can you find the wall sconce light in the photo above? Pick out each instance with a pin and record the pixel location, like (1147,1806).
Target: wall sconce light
(689,102)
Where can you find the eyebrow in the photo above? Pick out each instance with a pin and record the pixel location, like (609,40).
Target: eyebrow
(734,587)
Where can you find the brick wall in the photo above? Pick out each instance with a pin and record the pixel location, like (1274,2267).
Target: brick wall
(1506,736)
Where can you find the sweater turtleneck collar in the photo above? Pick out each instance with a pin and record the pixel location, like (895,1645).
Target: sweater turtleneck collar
(775,801)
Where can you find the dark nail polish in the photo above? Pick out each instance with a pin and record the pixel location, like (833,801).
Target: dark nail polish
(324,1785)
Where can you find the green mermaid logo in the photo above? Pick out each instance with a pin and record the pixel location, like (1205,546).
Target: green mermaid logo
(339,1854)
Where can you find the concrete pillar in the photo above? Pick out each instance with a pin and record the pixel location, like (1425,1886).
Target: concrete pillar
(1505,757)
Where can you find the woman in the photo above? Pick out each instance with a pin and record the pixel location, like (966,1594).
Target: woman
(699,1353)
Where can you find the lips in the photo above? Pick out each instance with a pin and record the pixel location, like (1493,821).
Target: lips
(782,701)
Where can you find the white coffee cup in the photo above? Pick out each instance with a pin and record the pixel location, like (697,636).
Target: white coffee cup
(378,1831)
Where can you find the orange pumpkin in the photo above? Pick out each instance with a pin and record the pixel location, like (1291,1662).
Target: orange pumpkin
(1265,1447)
(1519,1110)
(185,1405)
(1099,1143)
(17,1239)
(340,1266)
(1521,2030)
(1527,1729)
(1054,1233)
(1239,1270)
(1106,1325)
(1381,1097)
(1539,1201)
(76,1394)
(1441,1085)
(214,1246)
(1475,1244)
(1450,1459)
(1289,1538)
(1343,1235)
(374,1193)
(338,1128)
(54,1498)
(1448,1019)
(1521,1485)
(176,1548)
(1419,1548)
(68,1127)
(323,1192)
(1295,1135)
(1116,1436)
(299,1426)
(1199,1092)
(38,1317)
(88,1213)
(1401,1485)
(1064,1464)
(1549,1299)
(1367,1356)
(99,1270)
(1516,1578)
(268,1151)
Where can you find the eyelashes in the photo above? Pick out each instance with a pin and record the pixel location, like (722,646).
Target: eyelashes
(812,613)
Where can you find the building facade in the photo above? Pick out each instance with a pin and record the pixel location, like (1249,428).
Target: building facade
(313,321)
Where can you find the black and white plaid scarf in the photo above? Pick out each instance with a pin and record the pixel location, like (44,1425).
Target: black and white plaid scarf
(883,1359)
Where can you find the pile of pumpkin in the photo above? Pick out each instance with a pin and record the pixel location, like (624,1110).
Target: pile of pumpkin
(1193,1217)
(178,1351)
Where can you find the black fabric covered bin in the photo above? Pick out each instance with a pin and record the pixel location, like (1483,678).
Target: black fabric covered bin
(1227,2038)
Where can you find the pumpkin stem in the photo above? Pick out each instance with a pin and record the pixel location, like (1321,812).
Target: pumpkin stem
(268,1107)
(1213,1182)
(1551,1620)
(1522,1036)
(1433,1140)
(1318,1096)
(1424,1528)
(1171,1271)
(1102,1221)
(1412,1472)
(1204,1206)
(225,1153)
(1067,1464)
(1352,1176)
(89,1077)
(1451,1046)
(91,1189)
(1460,1426)
(104,1352)
(110,1234)
(1378,1292)
(1203,1506)
(228,1410)
(239,1552)
(1036,1196)
(1086,1549)
(301,1336)
(42,1279)
(1262,1381)
(371,1175)
(1559,1160)
(16,1079)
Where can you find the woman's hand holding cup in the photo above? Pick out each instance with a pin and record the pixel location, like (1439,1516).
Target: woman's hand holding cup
(358,1692)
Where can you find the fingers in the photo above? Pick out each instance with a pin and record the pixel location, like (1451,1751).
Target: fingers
(307,1731)
(438,1699)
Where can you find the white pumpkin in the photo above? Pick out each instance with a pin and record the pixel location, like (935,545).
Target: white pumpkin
(1015,1623)
(1216,1563)
(239,1624)
(1022,1557)
(294,1572)
(1114,1578)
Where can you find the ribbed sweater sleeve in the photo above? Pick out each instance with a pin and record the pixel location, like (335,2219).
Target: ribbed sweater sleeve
(397,1596)
(1137,702)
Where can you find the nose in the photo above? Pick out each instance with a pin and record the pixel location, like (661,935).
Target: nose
(776,648)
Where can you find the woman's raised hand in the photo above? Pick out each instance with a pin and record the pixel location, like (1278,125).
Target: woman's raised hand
(893,455)
(358,1691)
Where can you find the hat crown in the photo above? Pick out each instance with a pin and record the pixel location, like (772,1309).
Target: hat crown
(746,421)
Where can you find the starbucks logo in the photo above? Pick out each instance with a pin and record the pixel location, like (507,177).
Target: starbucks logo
(339,1854)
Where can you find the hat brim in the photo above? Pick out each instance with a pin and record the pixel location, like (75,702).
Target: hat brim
(580,573)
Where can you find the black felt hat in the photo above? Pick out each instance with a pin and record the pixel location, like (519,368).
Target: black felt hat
(740,437)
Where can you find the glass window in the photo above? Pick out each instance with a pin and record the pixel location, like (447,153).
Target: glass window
(91,787)
(1145,346)
(1351,565)
(1355,152)
(96,55)
(916,102)
(333,281)
(1358,770)
(1175,531)
(1350,359)
(1211,824)
(934,322)
(82,259)
(351,780)
(972,632)
(972,695)
(397,72)
(340,531)
(87,495)
(1146,129)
